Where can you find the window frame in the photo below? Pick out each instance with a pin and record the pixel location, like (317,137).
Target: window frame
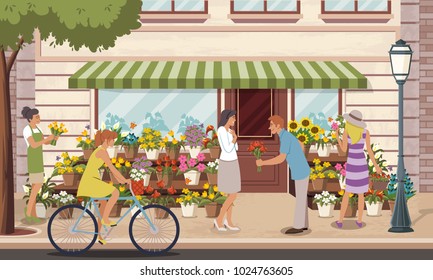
(293,105)
(355,12)
(174,12)
(265,11)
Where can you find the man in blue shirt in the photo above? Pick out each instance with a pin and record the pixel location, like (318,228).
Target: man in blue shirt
(292,151)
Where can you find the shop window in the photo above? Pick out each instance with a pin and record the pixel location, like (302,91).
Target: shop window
(356,6)
(265,6)
(161,109)
(174,6)
(316,104)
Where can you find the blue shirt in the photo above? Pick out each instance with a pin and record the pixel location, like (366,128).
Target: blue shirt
(295,157)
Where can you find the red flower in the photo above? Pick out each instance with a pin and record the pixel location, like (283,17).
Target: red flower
(205,142)
(149,189)
(167,164)
(160,184)
(263,149)
(156,194)
(166,158)
(256,144)
(174,168)
(209,128)
(251,148)
(159,168)
(171,190)
(159,162)
(173,162)
(79,199)
(214,136)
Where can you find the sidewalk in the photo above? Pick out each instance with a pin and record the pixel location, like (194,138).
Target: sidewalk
(263,219)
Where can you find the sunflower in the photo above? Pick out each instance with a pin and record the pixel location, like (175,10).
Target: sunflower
(315,129)
(306,123)
(293,126)
(303,138)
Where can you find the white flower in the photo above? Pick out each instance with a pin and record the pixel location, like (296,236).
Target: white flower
(316,196)
(325,193)
(116,125)
(124,134)
(45,195)
(26,189)
(217,161)
(39,192)
(142,170)
(63,193)
(55,196)
(63,200)
(103,126)
(385,164)
(216,168)
(70,197)
(319,196)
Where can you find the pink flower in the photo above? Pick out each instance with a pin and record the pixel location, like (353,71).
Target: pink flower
(192,162)
(183,167)
(334,126)
(201,167)
(182,159)
(343,172)
(200,157)
(338,166)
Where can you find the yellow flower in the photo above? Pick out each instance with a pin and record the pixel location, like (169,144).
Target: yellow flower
(317,137)
(341,192)
(222,193)
(88,141)
(149,137)
(306,123)
(334,135)
(326,164)
(147,130)
(75,158)
(206,186)
(179,200)
(110,183)
(331,175)
(118,165)
(141,140)
(127,164)
(303,138)
(175,141)
(204,194)
(316,161)
(151,145)
(121,189)
(69,170)
(121,160)
(50,126)
(351,194)
(144,146)
(161,144)
(58,164)
(65,155)
(195,194)
(67,162)
(165,139)
(322,131)
(321,175)
(211,196)
(113,161)
(62,171)
(215,188)
(65,130)
(325,139)
(293,126)
(185,191)
(182,137)
(105,165)
(157,133)
(79,139)
(84,133)
(315,129)
(171,133)
(319,168)
(138,197)
(188,198)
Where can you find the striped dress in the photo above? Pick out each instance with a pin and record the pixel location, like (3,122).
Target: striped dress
(357,178)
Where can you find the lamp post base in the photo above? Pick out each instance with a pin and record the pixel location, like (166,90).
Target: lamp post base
(400,229)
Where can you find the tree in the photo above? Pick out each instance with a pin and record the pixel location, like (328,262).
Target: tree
(94,24)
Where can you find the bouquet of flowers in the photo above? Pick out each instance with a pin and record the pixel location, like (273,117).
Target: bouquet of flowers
(378,155)
(57,130)
(211,194)
(84,141)
(341,171)
(337,127)
(188,197)
(151,140)
(213,141)
(257,148)
(194,135)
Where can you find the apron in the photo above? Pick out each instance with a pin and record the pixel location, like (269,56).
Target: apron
(35,160)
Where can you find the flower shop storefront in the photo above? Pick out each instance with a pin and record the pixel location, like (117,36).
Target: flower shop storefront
(170,95)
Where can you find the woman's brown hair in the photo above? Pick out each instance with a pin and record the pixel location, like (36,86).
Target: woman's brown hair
(101,136)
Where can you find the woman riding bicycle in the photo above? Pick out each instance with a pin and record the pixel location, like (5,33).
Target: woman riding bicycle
(92,186)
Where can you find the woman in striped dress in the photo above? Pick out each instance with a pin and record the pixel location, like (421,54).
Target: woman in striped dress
(355,138)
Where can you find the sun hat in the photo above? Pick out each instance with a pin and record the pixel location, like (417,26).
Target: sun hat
(355,118)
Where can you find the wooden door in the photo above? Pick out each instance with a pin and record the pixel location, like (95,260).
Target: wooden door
(254,107)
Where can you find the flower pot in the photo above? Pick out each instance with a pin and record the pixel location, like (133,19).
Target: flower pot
(379,185)
(41,211)
(374,209)
(87,153)
(212,178)
(307,149)
(215,152)
(192,178)
(166,178)
(340,152)
(173,152)
(67,213)
(193,152)
(152,154)
(391,205)
(130,152)
(116,210)
(323,151)
(326,211)
(213,209)
(161,213)
(112,151)
(188,211)
(342,183)
(138,186)
(351,211)
(319,184)
(69,179)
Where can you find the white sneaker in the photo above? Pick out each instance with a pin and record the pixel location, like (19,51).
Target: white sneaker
(229,227)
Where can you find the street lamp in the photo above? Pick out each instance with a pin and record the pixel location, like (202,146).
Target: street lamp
(401,56)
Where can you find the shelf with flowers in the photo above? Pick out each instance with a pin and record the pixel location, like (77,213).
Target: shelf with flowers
(189,201)
(194,135)
(43,198)
(212,143)
(86,143)
(140,174)
(69,168)
(173,145)
(374,201)
(304,131)
(191,168)
(212,172)
(320,174)
(151,141)
(325,203)
(391,191)
(378,182)
(353,204)
(62,199)
(212,199)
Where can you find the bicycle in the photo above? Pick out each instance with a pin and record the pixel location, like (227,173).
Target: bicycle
(153,230)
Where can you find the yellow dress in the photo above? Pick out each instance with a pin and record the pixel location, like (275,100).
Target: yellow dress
(91,185)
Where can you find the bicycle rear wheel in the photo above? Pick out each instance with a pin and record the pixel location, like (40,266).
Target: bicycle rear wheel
(61,234)
(157,239)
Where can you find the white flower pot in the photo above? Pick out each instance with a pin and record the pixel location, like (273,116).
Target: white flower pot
(193,152)
(188,211)
(41,212)
(323,152)
(374,209)
(146,180)
(136,209)
(342,183)
(326,211)
(112,151)
(193,177)
(90,208)
(152,154)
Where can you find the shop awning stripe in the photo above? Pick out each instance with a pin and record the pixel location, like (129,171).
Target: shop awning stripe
(217,74)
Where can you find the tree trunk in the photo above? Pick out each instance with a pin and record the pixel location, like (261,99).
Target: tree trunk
(7,213)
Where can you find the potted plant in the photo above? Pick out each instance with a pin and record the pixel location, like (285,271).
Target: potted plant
(191,168)
(43,198)
(165,200)
(377,182)
(353,204)
(188,201)
(341,174)
(323,144)
(337,125)
(140,174)
(151,142)
(325,203)
(112,151)
(62,199)
(172,147)
(304,131)
(194,139)
(391,190)
(122,166)
(320,174)
(212,172)
(130,145)
(212,143)
(165,169)
(69,169)
(212,200)
(86,144)
(374,201)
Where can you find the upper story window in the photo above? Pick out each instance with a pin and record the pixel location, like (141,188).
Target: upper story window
(265,6)
(356,6)
(174,6)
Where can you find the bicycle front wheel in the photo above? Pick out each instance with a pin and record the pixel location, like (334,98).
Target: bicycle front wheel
(70,232)
(158,236)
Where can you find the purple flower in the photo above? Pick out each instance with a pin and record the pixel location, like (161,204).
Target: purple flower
(88,127)
(201,167)
(200,157)
(183,167)
(58,158)
(182,159)
(192,162)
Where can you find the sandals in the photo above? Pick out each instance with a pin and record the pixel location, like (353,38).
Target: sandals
(102,241)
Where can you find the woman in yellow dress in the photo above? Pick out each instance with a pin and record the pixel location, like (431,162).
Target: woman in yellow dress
(92,186)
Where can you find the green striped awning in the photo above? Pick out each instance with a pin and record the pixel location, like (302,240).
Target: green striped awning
(217,74)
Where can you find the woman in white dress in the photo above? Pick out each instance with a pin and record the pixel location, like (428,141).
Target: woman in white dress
(229,177)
